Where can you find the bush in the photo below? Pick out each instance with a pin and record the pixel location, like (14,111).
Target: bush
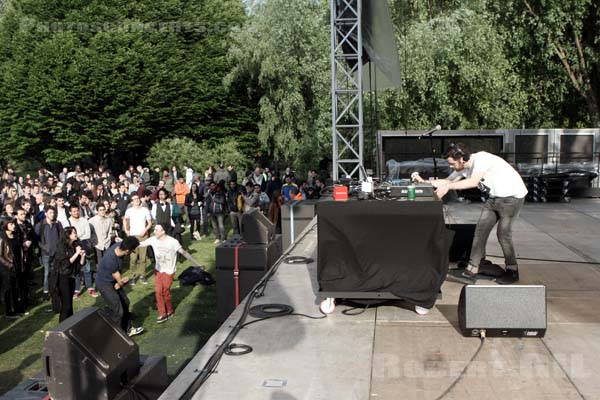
(178,151)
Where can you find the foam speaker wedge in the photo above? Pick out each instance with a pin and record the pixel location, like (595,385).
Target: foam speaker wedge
(503,310)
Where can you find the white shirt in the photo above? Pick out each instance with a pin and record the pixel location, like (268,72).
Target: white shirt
(137,217)
(498,175)
(189,176)
(84,232)
(165,253)
(102,232)
(61,216)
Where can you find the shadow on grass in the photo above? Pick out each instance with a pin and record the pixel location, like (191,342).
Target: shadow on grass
(20,330)
(14,376)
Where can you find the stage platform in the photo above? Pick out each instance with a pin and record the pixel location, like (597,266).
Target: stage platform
(390,352)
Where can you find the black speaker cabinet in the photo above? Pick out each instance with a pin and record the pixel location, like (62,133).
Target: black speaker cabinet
(88,357)
(460,250)
(503,310)
(254,260)
(150,383)
(256,228)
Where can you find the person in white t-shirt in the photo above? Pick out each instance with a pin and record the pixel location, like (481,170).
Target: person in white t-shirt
(507,192)
(137,222)
(165,250)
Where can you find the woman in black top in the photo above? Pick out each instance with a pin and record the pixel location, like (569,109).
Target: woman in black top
(11,259)
(68,260)
(194,202)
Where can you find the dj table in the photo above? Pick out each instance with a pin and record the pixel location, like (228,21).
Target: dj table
(382,250)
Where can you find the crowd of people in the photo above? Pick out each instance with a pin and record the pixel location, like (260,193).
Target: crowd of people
(67,222)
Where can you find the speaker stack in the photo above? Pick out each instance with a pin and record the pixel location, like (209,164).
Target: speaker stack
(241,262)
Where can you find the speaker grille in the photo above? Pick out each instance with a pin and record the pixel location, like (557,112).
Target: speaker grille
(501,307)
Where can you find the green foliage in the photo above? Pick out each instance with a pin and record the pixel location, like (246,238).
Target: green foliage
(281,59)
(178,151)
(105,80)
(457,74)
(554,45)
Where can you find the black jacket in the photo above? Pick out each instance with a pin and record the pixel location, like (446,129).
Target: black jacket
(62,261)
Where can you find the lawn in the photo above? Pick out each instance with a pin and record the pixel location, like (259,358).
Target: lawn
(179,339)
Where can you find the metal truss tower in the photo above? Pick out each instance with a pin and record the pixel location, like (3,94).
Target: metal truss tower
(346,85)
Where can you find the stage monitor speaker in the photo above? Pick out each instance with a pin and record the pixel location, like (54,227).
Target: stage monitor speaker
(503,310)
(88,357)
(256,228)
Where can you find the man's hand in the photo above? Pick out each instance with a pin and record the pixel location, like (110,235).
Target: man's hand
(117,286)
(124,280)
(442,190)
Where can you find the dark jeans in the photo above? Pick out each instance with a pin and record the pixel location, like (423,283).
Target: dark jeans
(236,222)
(8,291)
(117,304)
(501,210)
(218,224)
(66,288)
(47,262)
(22,292)
(99,255)
(195,221)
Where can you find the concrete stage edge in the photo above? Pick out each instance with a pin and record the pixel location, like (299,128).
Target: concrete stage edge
(390,352)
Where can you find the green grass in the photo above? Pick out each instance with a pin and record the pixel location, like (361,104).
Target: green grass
(179,339)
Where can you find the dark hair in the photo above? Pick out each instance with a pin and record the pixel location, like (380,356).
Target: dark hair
(165,191)
(165,227)
(65,233)
(458,150)
(7,221)
(129,243)
(100,205)
(74,205)
(50,208)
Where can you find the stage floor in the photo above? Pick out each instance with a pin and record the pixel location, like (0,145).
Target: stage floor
(390,352)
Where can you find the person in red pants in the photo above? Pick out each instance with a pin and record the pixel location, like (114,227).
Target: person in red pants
(165,250)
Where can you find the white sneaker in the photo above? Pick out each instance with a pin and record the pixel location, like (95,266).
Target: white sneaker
(217,241)
(135,331)
(421,310)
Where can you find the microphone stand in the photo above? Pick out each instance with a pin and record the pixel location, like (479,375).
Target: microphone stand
(435,167)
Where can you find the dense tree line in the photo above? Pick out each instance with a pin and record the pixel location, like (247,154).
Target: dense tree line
(114,79)
(105,80)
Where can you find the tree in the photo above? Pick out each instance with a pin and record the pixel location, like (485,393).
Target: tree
(557,42)
(281,58)
(456,74)
(179,151)
(105,80)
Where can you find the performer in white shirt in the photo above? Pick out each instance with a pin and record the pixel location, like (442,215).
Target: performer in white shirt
(506,197)
(165,250)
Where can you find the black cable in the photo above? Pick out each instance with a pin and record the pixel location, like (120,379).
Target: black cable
(235,349)
(348,311)
(211,365)
(298,260)
(563,370)
(284,315)
(557,261)
(462,373)
(270,310)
